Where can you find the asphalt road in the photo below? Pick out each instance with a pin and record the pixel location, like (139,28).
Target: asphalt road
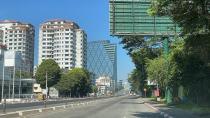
(36,105)
(120,107)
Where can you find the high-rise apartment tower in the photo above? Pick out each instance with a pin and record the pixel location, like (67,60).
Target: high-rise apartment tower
(64,42)
(18,36)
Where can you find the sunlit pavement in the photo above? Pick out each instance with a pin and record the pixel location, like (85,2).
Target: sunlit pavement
(121,107)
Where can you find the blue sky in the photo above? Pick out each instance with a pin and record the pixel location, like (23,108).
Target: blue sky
(91,15)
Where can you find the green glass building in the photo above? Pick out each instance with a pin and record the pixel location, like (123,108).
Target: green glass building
(102,59)
(130,17)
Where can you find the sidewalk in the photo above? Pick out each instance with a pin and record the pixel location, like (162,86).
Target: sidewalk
(175,112)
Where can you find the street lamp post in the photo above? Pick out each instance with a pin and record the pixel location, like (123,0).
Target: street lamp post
(20,83)
(46,86)
(2,89)
(46,89)
(13,83)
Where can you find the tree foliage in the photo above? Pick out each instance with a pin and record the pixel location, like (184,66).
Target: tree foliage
(191,61)
(51,68)
(132,43)
(76,82)
(188,62)
(192,68)
(191,15)
(157,70)
(138,76)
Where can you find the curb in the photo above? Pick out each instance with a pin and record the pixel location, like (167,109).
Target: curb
(165,115)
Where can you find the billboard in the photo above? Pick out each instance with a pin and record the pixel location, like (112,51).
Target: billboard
(130,17)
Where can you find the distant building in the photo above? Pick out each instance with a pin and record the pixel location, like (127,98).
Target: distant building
(120,85)
(19,36)
(102,60)
(106,81)
(64,42)
(104,85)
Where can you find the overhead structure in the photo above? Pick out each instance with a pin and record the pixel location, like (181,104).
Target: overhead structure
(130,17)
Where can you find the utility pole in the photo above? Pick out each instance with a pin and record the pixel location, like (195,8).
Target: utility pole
(13,82)
(2,89)
(168,92)
(20,83)
(46,86)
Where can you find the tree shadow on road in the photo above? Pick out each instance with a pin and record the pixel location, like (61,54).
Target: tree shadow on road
(134,97)
(147,115)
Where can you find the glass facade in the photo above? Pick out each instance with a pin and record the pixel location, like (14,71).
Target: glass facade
(7,61)
(102,59)
(130,17)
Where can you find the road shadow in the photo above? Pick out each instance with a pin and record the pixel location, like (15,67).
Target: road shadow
(133,97)
(178,113)
(131,102)
(147,115)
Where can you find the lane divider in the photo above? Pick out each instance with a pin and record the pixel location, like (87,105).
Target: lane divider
(34,111)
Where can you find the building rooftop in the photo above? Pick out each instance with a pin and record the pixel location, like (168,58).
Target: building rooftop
(8,21)
(66,23)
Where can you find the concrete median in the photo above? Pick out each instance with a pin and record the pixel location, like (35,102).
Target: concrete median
(48,109)
(28,112)
(9,115)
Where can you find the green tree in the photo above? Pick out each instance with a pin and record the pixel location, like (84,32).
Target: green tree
(94,89)
(76,82)
(136,81)
(51,68)
(192,60)
(138,76)
(132,43)
(192,69)
(191,15)
(157,71)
